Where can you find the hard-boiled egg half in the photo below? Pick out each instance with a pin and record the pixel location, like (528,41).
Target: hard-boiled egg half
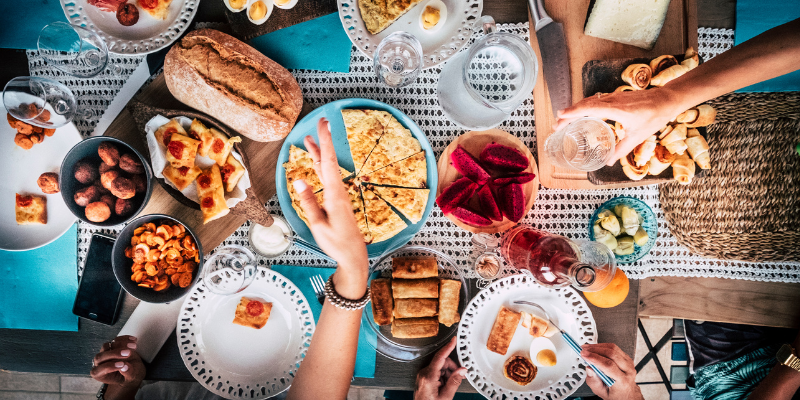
(235,5)
(259,11)
(434,15)
(285,4)
(543,352)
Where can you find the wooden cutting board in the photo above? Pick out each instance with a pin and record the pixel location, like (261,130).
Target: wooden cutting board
(679,32)
(262,158)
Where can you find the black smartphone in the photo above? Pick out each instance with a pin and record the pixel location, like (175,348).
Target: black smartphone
(99,294)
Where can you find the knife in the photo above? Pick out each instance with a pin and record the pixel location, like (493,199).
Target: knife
(555,59)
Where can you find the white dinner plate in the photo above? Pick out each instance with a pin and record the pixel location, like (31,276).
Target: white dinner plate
(437,46)
(21,168)
(148,35)
(485,368)
(235,361)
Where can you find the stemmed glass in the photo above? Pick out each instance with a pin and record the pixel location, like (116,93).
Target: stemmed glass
(230,270)
(398,59)
(38,101)
(74,50)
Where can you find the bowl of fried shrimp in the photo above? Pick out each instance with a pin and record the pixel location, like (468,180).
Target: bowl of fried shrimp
(157,258)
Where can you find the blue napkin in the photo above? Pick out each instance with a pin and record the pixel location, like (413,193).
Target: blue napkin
(38,287)
(754,17)
(365,357)
(21,21)
(319,44)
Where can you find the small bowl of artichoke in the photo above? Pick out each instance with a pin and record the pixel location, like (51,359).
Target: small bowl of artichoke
(627,226)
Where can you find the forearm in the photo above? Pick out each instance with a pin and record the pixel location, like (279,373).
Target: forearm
(328,367)
(781,383)
(773,53)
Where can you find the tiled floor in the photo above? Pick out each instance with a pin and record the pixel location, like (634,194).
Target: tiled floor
(26,386)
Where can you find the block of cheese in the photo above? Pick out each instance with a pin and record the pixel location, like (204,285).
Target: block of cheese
(633,22)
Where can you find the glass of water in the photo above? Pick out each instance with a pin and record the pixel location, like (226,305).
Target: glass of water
(73,49)
(585,144)
(230,270)
(40,102)
(398,59)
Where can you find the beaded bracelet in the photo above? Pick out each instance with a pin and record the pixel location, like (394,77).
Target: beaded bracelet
(340,302)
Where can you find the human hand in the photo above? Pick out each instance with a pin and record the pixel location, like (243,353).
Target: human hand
(616,364)
(440,379)
(334,226)
(642,113)
(118,364)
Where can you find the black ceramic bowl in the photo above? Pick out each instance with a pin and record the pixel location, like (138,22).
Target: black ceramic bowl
(88,149)
(122,265)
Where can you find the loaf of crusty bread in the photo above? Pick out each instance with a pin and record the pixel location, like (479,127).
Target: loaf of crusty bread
(233,82)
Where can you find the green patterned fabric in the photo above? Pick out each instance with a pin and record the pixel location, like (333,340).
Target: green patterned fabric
(734,379)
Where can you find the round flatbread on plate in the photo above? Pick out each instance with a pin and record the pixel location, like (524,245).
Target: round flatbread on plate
(21,169)
(235,361)
(148,35)
(437,45)
(333,112)
(485,368)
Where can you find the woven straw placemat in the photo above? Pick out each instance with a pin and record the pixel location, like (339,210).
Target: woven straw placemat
(748,207)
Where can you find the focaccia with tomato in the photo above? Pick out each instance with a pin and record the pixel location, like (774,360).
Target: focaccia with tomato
(211,194)
(157,8)
(164,133)
(181,177)
(252,313)
(31,209)
(197,130)
(181,151)
(217,146)
(231,172)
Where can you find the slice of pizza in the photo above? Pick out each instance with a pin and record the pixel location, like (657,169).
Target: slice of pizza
(382,221)
(31,209)
(379,14)
(364,130)
(410,202)
(157,8)
(299,210)
(358,211)
(164,133)
(409,172)
(217,146)
(211,193)
(231,172)
(181,177)
(252,313)
(181,151)
(395,144)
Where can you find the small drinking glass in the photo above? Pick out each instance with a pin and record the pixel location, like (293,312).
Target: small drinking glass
(585,144)
(398,59)
(230,270)
(40,102)
(74,50)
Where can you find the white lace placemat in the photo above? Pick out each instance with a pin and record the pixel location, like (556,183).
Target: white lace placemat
(563,212)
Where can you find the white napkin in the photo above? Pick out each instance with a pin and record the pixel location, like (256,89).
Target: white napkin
(151,324)
(158,160)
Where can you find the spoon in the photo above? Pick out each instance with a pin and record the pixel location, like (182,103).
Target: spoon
(571,343)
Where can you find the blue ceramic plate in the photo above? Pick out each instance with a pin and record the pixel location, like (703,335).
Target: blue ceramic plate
(649,224)
(333,112)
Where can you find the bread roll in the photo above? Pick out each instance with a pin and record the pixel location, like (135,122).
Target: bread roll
(382,302)
(415,308)
(683,169)
(503,330)
(411,328)
(427,288)
(414,267)
(449,294)
(233,82)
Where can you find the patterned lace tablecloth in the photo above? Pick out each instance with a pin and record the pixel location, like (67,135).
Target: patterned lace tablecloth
(563,212)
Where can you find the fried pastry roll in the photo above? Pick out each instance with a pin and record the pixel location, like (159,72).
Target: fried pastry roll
(661,63)
(698,149)
(415,308)
(624,88)
(505,324)
(661,160)
(427,288)
(631,170)
(638,76)
(690,59)
(382,302)
(665,131)
(644,151)
(449,293)
(683,169)
(675,140)
(414,267)
(411,328)
(520,370)
(705,116)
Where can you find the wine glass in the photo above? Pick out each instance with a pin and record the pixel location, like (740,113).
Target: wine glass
(398,59)
(39,101)
(74,50)
(230,270)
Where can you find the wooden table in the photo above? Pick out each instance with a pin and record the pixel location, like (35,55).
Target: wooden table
(71,352)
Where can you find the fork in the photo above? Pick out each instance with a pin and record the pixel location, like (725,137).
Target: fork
(319,287)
